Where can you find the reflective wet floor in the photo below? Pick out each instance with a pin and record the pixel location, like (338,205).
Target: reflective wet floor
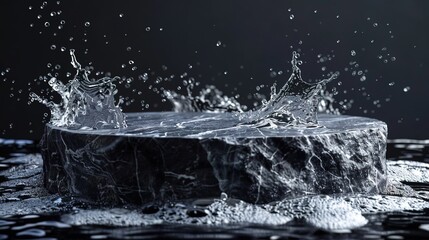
(29,212)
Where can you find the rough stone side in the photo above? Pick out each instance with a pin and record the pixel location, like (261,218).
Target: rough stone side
(262,170)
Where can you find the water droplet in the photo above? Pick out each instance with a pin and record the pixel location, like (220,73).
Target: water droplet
(47,24)
(131,62)
(128,49)
(147,29)
(53,47)
(289,9)
(223,196)
(87,24)
(393,59)
(121,14)
(291,17)
(375,24)
(63,49)
(406,89)
(353,52)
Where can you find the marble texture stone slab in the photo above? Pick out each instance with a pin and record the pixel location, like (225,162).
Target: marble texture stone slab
(165,156)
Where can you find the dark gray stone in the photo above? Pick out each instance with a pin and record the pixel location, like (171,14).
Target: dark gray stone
(167,156)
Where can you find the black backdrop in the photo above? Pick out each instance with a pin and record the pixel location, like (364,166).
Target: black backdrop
(235,45)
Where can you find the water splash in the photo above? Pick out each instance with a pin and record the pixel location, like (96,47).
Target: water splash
(89,103)
(295,104)
(210,99)
(85,103)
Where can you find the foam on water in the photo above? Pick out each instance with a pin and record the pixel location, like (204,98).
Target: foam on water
(325,212)
(85,103)
(330,213)
(406,171)
(217,213)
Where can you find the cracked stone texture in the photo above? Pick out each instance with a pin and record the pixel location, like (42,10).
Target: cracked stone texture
(168,156)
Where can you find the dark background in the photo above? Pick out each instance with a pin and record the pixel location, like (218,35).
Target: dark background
(255,38)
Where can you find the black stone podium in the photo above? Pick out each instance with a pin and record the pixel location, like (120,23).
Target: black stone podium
(166,156)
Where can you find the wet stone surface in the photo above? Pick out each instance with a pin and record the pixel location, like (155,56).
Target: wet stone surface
(169,156)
